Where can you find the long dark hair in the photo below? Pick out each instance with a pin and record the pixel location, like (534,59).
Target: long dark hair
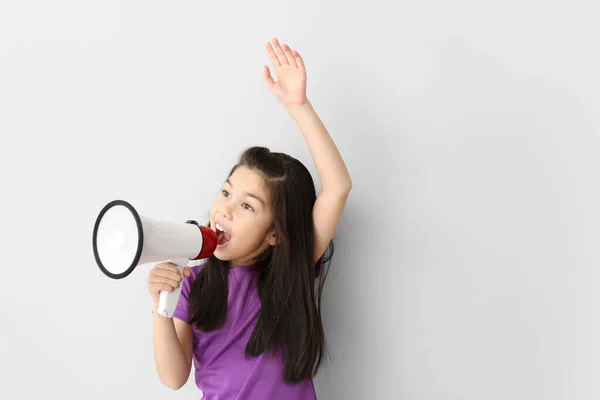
(287,282)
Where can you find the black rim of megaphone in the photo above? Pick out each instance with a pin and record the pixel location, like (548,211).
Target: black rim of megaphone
(138,252)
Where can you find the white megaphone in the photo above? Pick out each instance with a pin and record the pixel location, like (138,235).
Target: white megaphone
(123,239)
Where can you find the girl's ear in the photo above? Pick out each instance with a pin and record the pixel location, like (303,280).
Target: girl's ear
(272,238)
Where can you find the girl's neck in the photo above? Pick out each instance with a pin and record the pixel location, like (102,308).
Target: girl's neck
(238,264)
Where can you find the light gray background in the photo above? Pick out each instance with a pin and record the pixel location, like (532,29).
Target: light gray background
(467,258)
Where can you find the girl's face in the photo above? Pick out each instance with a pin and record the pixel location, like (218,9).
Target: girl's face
(243,210)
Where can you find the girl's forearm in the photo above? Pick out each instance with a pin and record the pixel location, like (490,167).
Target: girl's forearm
(169,358)
(330,166)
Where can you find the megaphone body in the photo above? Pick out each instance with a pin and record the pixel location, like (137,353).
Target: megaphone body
(123,239)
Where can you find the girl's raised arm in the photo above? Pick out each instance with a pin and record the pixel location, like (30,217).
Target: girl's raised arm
(290,90)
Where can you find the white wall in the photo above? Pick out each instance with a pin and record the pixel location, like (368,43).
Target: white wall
(466,263)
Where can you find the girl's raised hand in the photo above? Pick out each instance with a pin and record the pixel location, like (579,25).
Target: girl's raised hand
(290,87)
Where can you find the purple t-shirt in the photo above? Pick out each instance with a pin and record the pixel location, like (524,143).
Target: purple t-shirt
(222,370)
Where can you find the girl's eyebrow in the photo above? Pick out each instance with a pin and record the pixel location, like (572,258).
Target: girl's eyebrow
(248,193)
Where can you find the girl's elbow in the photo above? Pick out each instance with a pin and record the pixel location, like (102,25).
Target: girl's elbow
(346,190)
(347,187)
(174,384)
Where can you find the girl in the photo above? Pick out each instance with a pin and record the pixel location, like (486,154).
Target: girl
(250,316)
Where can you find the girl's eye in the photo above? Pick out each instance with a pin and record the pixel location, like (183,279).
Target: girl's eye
(246,206)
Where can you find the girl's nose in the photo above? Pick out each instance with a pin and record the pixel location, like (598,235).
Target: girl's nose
(226,212)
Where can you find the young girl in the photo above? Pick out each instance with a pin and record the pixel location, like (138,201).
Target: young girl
(250,316)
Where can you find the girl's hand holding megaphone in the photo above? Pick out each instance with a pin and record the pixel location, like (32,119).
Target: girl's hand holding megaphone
(164,276)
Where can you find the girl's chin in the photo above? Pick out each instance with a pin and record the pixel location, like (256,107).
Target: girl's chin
(220,252)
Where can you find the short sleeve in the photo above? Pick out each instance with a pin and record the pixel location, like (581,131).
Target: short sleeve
(182,311)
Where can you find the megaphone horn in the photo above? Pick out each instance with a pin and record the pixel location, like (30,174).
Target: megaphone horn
(123,239)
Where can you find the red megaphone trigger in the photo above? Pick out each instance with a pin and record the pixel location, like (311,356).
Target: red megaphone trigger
(210,242)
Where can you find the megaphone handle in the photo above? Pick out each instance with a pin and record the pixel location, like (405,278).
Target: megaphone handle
(167,301)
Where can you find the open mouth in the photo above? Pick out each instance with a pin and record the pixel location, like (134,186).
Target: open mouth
(223,237)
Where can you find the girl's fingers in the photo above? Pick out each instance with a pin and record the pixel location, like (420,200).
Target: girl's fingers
(290,55)
(157,287)
(168,274)
(299,61)
(167,266)
(280,53)
(273,56)
(161,280)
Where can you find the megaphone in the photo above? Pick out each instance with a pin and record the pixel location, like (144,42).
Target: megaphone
(123,240)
